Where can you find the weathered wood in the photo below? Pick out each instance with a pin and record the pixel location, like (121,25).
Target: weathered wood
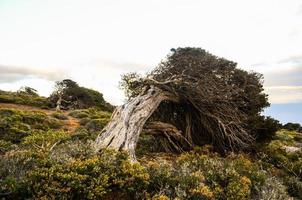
(59,103)
(127,121)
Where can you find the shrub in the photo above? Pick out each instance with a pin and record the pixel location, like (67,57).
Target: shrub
(239,188)
(275,154)
(13,125)
(93,113)
(79,114)
(44,140)
(160,197)
(294,186)
(91,178)
(14,166)
(59,115)
(72,149)
(24,98)
(96,125)
(292,126)
(264,128)
(4,98)
(5,146)
(16,124)
(241,176)
(273,189)
(84,121)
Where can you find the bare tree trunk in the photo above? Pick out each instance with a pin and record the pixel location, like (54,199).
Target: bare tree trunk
(59,102)
(127,121)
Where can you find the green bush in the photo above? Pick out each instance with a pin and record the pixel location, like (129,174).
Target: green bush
(44,140)
(241,176)
(263,128)
(96,125)
(92,178)
(91,113)
(72,149)
(91,120)
(289,162)
(79,114)
(5,146)
(292,126)
(16,124)
(4,98)
(202,174)
(24,98)
(59,115)
(16,163)
(84,121)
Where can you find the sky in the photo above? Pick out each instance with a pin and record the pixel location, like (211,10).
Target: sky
(95,41)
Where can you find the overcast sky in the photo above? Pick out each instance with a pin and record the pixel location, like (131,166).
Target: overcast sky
(94,42)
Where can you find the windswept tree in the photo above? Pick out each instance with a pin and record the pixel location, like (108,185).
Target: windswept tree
(28,90)
(68,94)
(192,96)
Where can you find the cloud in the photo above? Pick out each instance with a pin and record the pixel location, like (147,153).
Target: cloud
(284,77)
(43,86)
(284,94)
(104,75)
(297,59)
(98,74)
(283,80)
(15,73)
(300,10)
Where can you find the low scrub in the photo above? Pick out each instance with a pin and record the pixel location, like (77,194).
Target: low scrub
(17,124)
(24,99)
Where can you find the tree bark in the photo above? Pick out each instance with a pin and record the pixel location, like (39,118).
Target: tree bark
(127,121)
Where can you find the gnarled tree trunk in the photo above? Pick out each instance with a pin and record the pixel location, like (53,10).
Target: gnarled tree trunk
(127,121)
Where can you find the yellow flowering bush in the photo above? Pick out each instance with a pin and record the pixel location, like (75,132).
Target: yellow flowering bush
(239,188)
(202,192)
(90,178)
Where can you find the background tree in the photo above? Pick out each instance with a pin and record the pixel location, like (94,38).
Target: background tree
(293,126)
(68,94)
(190,97)
(28,90)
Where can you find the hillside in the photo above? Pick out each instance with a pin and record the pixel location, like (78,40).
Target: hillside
(47,155)
(196,134)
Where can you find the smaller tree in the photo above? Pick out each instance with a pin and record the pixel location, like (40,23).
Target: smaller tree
(68,94)
(28,90)
(293,127)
